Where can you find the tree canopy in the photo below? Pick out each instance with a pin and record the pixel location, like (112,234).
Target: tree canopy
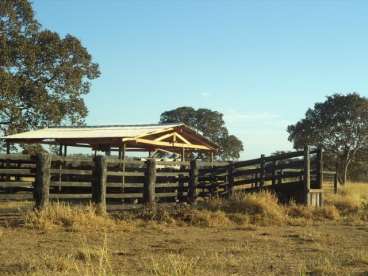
(43,77)
(339,125)
(211,124)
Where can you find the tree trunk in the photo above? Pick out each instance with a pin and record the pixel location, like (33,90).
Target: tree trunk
(345,171)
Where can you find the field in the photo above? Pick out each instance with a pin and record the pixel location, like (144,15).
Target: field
(246,235)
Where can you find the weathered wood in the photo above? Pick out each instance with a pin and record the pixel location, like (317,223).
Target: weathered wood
(274,163)
(336,183)
(307,175)
(71,172)
(42,183)
(17,172)
(161,195)
(319,168)
(150,183)
(70,196)
(99,184)
(126,185)
(262,172)
(124,195)
(181,184)
(193,181)
(16,157)
(70,184)
(172,185)
(14,184)
(171,174)
(230,181)
(110,173)
(27,196)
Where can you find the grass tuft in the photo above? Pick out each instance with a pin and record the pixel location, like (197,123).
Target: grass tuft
(63,215)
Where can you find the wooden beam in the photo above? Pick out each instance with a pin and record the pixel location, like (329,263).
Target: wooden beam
(164,137)
(183,139)
(167,144)
(153,133)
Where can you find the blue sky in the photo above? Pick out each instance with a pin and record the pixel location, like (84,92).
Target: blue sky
(260,63)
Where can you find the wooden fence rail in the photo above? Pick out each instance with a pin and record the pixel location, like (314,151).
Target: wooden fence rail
(114,184)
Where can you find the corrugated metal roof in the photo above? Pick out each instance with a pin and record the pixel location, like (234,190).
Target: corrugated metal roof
(120,131)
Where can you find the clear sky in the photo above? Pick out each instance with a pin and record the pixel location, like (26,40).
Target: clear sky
(260,63)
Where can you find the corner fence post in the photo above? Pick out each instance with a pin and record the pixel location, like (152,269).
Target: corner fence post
(230,184)
(42,183)
(320,168)
(150,183)
(99,184)
(193,181)
(307,175)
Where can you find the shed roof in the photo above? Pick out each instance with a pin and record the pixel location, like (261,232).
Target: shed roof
(169,136)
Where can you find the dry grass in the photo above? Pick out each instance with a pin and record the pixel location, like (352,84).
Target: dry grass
(245,235)
(72,218)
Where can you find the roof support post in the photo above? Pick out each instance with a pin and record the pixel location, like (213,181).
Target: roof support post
(65,150)
(183,155)
(60,150)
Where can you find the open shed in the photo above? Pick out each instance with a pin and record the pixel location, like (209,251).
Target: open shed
(175,138)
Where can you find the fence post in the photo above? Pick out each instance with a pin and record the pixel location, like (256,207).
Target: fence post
(150,183)
(99,184)
(274,164)
(307,175)
(335,183)
(320,168)
(262,170)
(181,182)
(41,191)
(193,181)
(230,180)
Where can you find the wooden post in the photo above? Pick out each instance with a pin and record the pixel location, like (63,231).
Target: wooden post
(181,182)
(230,180)
(280,176)
(262,175)
(65,150)
(7,148)
(42,183)
(60,150)
(319,168)
(307,175)
(183,155)
(99,184)
(150,183)
(274,164)
(193,181)
(336,183)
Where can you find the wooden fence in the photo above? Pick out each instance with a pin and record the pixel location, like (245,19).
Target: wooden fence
(124,184)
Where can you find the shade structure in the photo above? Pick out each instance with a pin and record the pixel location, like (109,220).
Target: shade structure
(167,137)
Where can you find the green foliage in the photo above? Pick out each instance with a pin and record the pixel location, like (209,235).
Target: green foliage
(211,124)
(339,125)
(43,77)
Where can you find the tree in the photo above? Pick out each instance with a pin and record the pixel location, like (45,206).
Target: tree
(211,124)
(43,77)
(339,125)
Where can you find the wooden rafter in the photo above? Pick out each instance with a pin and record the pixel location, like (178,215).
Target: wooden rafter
(168,144)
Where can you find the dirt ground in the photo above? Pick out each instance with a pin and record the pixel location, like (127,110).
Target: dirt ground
(146,248)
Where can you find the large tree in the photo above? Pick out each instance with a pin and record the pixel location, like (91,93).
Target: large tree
(339,125)
(43,77)
(211,124)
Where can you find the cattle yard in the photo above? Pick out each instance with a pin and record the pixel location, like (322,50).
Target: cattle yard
(115,184)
